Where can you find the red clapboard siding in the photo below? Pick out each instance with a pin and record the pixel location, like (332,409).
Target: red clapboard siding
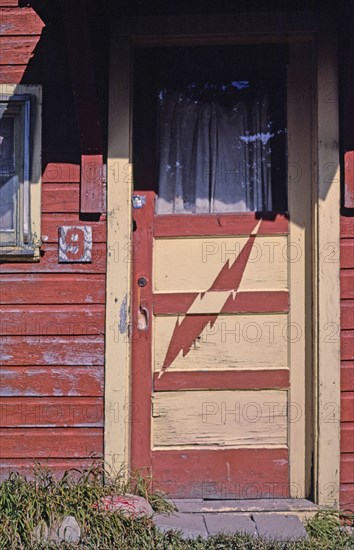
(20,21)
(46,320)
(17,50)
(347,283)
(347,314)
(347,375)
(56,466)
(347,254)
(50,442)
(63,197)
(217,224)
(231,473)
(11,74)
(58,412)
(51,350)
(49,262)
(52,222)
(51,381)
(347,227)
(347,468)
(347,407)
(242,380)
(347,437)
(52,289)
(347,345)
(9,2)
(61,173)
(347,497)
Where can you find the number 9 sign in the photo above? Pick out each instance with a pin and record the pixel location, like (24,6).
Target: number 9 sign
(75,244)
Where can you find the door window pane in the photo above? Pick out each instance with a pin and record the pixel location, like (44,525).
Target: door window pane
(209,128)
(214,149)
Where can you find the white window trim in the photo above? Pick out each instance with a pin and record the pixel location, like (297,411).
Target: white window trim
(29,246)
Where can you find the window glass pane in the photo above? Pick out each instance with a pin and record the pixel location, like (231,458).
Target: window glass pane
(209,127)
(8,179)
(214,148)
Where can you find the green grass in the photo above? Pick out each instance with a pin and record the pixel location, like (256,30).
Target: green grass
(25,504)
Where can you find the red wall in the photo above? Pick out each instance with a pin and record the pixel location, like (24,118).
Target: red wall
(347,363)
(52,315)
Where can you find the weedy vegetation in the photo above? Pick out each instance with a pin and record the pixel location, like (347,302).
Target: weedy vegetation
(29,506)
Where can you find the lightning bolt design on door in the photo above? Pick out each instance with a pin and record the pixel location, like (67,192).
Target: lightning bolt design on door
(191,326)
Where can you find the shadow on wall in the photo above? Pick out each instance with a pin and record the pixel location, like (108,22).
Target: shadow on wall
(62,141)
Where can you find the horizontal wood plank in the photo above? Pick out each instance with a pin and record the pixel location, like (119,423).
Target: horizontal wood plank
(57,172)
(197,264)
(347,283)
(9,3)
(244,302)
(51,381)
(48,262)
(19,21)
(51,442)
(347,468)
(12,74)
(224,342)
(52,288)
(51,350)
(347,227)
(347,314)
(347,406)
(347,437)
(222,473)
(347,345)
(223,418)
(17,50)
(347,497)
(223,380)
(63,197)
(188,225)
(60,412)
(347,375)
(61,320)
(347,254)
(57,466)
(52,222)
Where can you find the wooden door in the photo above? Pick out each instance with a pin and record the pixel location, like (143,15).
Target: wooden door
(220,340)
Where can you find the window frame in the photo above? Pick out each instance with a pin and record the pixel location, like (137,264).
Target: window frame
(23,242)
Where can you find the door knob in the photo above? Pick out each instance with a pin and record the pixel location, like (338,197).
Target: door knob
(142,281)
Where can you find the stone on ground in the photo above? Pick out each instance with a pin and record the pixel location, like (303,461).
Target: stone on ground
(132,505)
(69,530)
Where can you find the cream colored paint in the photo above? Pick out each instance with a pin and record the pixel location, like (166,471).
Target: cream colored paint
(192,264)
(117,353)
(238,418)
(327,265)
(299,187)
(234,342)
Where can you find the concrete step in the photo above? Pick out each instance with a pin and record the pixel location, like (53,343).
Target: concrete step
(278,526)
(298,507)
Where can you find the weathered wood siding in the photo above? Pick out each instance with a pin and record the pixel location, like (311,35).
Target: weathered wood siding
(347,363)
(52,314)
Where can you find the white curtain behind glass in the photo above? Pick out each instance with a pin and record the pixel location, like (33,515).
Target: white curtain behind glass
(214,155)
